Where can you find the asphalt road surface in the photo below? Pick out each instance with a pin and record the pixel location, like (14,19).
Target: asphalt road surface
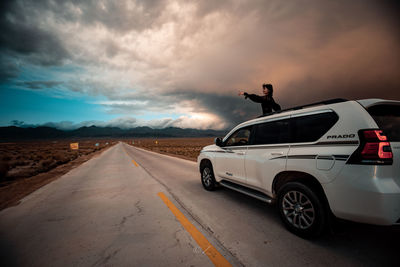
(109,211)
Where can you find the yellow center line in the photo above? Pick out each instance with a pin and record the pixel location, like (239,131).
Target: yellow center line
(134,162)
(201,240)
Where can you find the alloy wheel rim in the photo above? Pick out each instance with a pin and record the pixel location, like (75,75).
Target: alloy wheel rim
(207,176)
(298,210)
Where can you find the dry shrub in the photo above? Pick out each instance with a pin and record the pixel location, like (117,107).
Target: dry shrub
(73,156)
(46,162)
(61,158)
(57,156)
(12,164)
(27,173)
(4,167)
(39,156)
(84,151)
(6,158)
(23,163)
(46,165)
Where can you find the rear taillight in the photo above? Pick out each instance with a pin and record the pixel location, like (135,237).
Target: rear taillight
(374,149)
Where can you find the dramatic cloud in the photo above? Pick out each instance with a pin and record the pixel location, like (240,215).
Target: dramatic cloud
(35,85)
(200,121)
(8,69)
(190,58)
(24,36)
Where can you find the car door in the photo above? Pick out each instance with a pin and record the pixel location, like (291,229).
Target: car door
(267,156)
(230,162)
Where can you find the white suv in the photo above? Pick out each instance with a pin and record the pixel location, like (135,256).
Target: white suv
(334,157)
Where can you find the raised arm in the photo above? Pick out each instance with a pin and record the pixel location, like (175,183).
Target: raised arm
(254,98)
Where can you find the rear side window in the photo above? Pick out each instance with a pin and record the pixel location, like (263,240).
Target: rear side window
(275,132)
(388,119)
(310,128)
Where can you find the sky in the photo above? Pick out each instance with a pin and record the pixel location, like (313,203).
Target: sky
(162,63)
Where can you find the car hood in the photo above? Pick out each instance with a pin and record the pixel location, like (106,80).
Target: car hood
(210,148)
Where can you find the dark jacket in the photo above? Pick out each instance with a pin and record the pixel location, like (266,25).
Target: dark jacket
(267,102)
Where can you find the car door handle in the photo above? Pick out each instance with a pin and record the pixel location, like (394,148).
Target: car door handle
(276,153)
(240,153)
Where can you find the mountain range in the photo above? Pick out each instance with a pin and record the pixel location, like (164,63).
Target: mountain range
(14,133)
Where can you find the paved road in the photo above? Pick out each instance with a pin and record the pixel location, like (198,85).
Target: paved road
(107,212)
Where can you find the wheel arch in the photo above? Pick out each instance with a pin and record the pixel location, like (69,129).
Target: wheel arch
(204,162)
(301,177)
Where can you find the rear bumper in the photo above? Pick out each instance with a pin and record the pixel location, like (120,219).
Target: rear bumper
(366,195)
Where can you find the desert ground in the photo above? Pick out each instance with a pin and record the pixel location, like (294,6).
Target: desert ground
(186,148)
(27,166)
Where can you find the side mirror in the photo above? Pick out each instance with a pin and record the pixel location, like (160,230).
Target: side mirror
(218,141)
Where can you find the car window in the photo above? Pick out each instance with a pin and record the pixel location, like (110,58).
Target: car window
(239,138)
(310,128)
(275,132)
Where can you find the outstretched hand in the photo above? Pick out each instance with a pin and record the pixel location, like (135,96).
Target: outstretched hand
(240,93)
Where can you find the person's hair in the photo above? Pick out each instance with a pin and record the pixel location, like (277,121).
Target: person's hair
(269,87)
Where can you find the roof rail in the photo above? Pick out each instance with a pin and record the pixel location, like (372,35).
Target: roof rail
(325,102)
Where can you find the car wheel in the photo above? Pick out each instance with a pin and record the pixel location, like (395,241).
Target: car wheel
(301,210)
(207,177)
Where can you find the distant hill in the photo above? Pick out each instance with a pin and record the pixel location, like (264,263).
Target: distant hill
(14,133)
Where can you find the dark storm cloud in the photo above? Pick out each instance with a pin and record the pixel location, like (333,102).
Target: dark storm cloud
(19,36)
(8,69)
(120,16)
(117,15)
(231,109)
(310,51)
(38,85)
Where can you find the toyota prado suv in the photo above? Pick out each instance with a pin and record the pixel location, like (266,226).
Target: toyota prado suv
(334,158)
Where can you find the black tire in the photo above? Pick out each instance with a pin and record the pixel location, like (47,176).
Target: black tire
(302,211)
(207,177)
